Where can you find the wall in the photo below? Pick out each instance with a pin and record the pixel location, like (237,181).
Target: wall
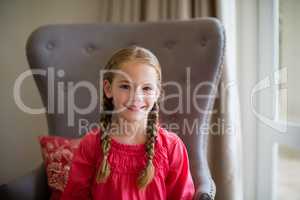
(19,149)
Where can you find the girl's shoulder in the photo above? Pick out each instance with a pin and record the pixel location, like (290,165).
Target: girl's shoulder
(168,139)
(91,137)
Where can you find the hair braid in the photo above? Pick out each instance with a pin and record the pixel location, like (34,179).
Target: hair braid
(147,174)
(105,122)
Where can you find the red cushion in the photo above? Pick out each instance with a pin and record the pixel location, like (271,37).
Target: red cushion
(57,153)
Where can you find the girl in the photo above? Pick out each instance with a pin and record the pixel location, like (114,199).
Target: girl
(130,156)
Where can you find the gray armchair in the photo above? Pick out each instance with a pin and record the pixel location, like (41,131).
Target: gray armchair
(76,52)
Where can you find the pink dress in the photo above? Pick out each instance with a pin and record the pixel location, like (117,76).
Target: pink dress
(172,178)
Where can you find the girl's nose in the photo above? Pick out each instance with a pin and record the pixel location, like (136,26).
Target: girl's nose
(137,95)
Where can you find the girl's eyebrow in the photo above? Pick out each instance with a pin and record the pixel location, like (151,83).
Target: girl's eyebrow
(123,81)
(126,81)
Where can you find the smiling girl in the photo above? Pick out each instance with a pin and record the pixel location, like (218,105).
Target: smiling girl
(130,156)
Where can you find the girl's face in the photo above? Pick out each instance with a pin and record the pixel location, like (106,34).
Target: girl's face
(133,90)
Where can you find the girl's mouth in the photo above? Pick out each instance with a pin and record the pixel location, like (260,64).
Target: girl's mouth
(135,109)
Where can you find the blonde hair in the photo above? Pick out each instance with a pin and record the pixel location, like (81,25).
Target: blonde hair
(142,55)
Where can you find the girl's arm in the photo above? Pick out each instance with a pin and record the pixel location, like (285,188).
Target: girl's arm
(179,182)
(82,170)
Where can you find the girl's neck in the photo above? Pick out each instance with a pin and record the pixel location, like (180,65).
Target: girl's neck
(128,132)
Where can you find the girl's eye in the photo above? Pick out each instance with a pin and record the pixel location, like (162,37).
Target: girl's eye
(126,87)
(147,89)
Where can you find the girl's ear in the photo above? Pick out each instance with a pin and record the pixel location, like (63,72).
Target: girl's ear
(107,89)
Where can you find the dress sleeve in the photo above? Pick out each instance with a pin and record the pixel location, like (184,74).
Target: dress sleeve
(82,171)
(179,182)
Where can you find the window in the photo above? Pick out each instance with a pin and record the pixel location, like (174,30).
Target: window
(278,134)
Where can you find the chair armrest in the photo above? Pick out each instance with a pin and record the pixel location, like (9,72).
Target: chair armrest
(32,186)
(206,190)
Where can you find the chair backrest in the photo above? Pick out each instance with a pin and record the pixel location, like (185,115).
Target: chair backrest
(66,60)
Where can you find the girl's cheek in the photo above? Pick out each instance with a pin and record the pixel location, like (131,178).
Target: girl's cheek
(124,97)
(150,98)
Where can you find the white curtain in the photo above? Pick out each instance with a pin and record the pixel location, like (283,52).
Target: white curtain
(227,158)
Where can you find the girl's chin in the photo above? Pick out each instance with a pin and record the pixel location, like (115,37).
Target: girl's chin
(134,116)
